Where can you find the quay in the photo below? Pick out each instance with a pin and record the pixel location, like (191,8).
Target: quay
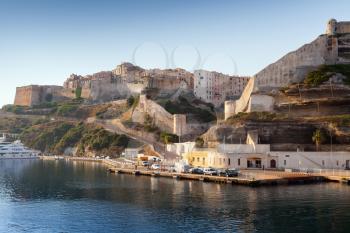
(246,177)
(243,179)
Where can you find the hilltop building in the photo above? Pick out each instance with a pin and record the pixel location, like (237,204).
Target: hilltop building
(215,88)
(36,94)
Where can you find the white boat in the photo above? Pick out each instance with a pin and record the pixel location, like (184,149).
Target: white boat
(16,150)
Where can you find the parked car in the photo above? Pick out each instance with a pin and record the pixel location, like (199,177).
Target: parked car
(155,166)
(210,171)
(197,170)
(145,163)
(229,173)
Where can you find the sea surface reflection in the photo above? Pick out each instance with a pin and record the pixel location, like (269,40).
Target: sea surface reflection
(60,196)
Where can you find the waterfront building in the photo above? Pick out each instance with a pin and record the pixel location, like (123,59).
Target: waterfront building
(131,153)
(180,148)
(259,156)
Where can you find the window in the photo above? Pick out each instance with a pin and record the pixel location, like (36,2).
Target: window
(285,162)
(203,161)
(229,161)
(239,162)
(198,159)
(322,162)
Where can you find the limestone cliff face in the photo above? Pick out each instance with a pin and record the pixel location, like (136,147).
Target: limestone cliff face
(292,68)
(282,135)
(295,65)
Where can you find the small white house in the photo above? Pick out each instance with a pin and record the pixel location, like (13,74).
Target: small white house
(131,153)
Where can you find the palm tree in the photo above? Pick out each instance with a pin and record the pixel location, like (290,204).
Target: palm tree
(318,138)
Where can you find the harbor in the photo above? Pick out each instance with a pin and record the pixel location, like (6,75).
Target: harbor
(246,177)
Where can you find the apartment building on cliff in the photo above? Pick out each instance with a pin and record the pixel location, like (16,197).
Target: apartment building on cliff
(215,88)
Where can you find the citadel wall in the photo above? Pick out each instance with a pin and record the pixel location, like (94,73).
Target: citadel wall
(328,49)
(35,94)
(161,118)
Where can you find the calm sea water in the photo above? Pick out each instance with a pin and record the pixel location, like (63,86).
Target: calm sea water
(59,196)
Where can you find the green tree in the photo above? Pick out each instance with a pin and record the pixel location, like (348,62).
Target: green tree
(168,138)
(49,97)
(78,92)
(199,142)
(318,138)
(131,101)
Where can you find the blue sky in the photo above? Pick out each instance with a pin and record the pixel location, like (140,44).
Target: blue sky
(42,42)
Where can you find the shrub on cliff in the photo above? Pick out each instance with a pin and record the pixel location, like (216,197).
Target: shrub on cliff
(168,138)
(55,137)
(66,109)
(199,142)
(256,116)
(98,139)
(182,106)
(70,139)
(78,93)
(131,101)
(14,108)
(17,125)
(45,137)
(324,72)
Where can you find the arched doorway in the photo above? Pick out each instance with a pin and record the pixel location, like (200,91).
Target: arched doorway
(273,163)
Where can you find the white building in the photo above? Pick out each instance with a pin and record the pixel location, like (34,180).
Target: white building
(131,153)
(215,88)
(258,156)
(181,148)
(299,160)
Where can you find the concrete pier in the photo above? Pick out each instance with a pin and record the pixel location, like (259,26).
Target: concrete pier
(241,180)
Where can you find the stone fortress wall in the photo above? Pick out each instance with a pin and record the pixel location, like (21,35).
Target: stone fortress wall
(330,48)
(35,94)
(125,80)
(161,118)
(295,65)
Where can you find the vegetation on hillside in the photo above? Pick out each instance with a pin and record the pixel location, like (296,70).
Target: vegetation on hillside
(168,138)
(55,137)
(182,106)
(335,120)
(256,116)
(17,125)
(78,92)
(74,109)
(199,142)
(324,72)
(45,136)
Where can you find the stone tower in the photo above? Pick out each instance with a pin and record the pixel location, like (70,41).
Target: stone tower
(331,27)
(180,125)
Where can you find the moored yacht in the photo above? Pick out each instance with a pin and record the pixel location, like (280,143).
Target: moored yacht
(15,150)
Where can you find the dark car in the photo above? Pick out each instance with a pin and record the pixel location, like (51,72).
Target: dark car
(197,171)
(229,173)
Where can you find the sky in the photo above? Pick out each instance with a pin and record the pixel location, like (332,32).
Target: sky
(44,41)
